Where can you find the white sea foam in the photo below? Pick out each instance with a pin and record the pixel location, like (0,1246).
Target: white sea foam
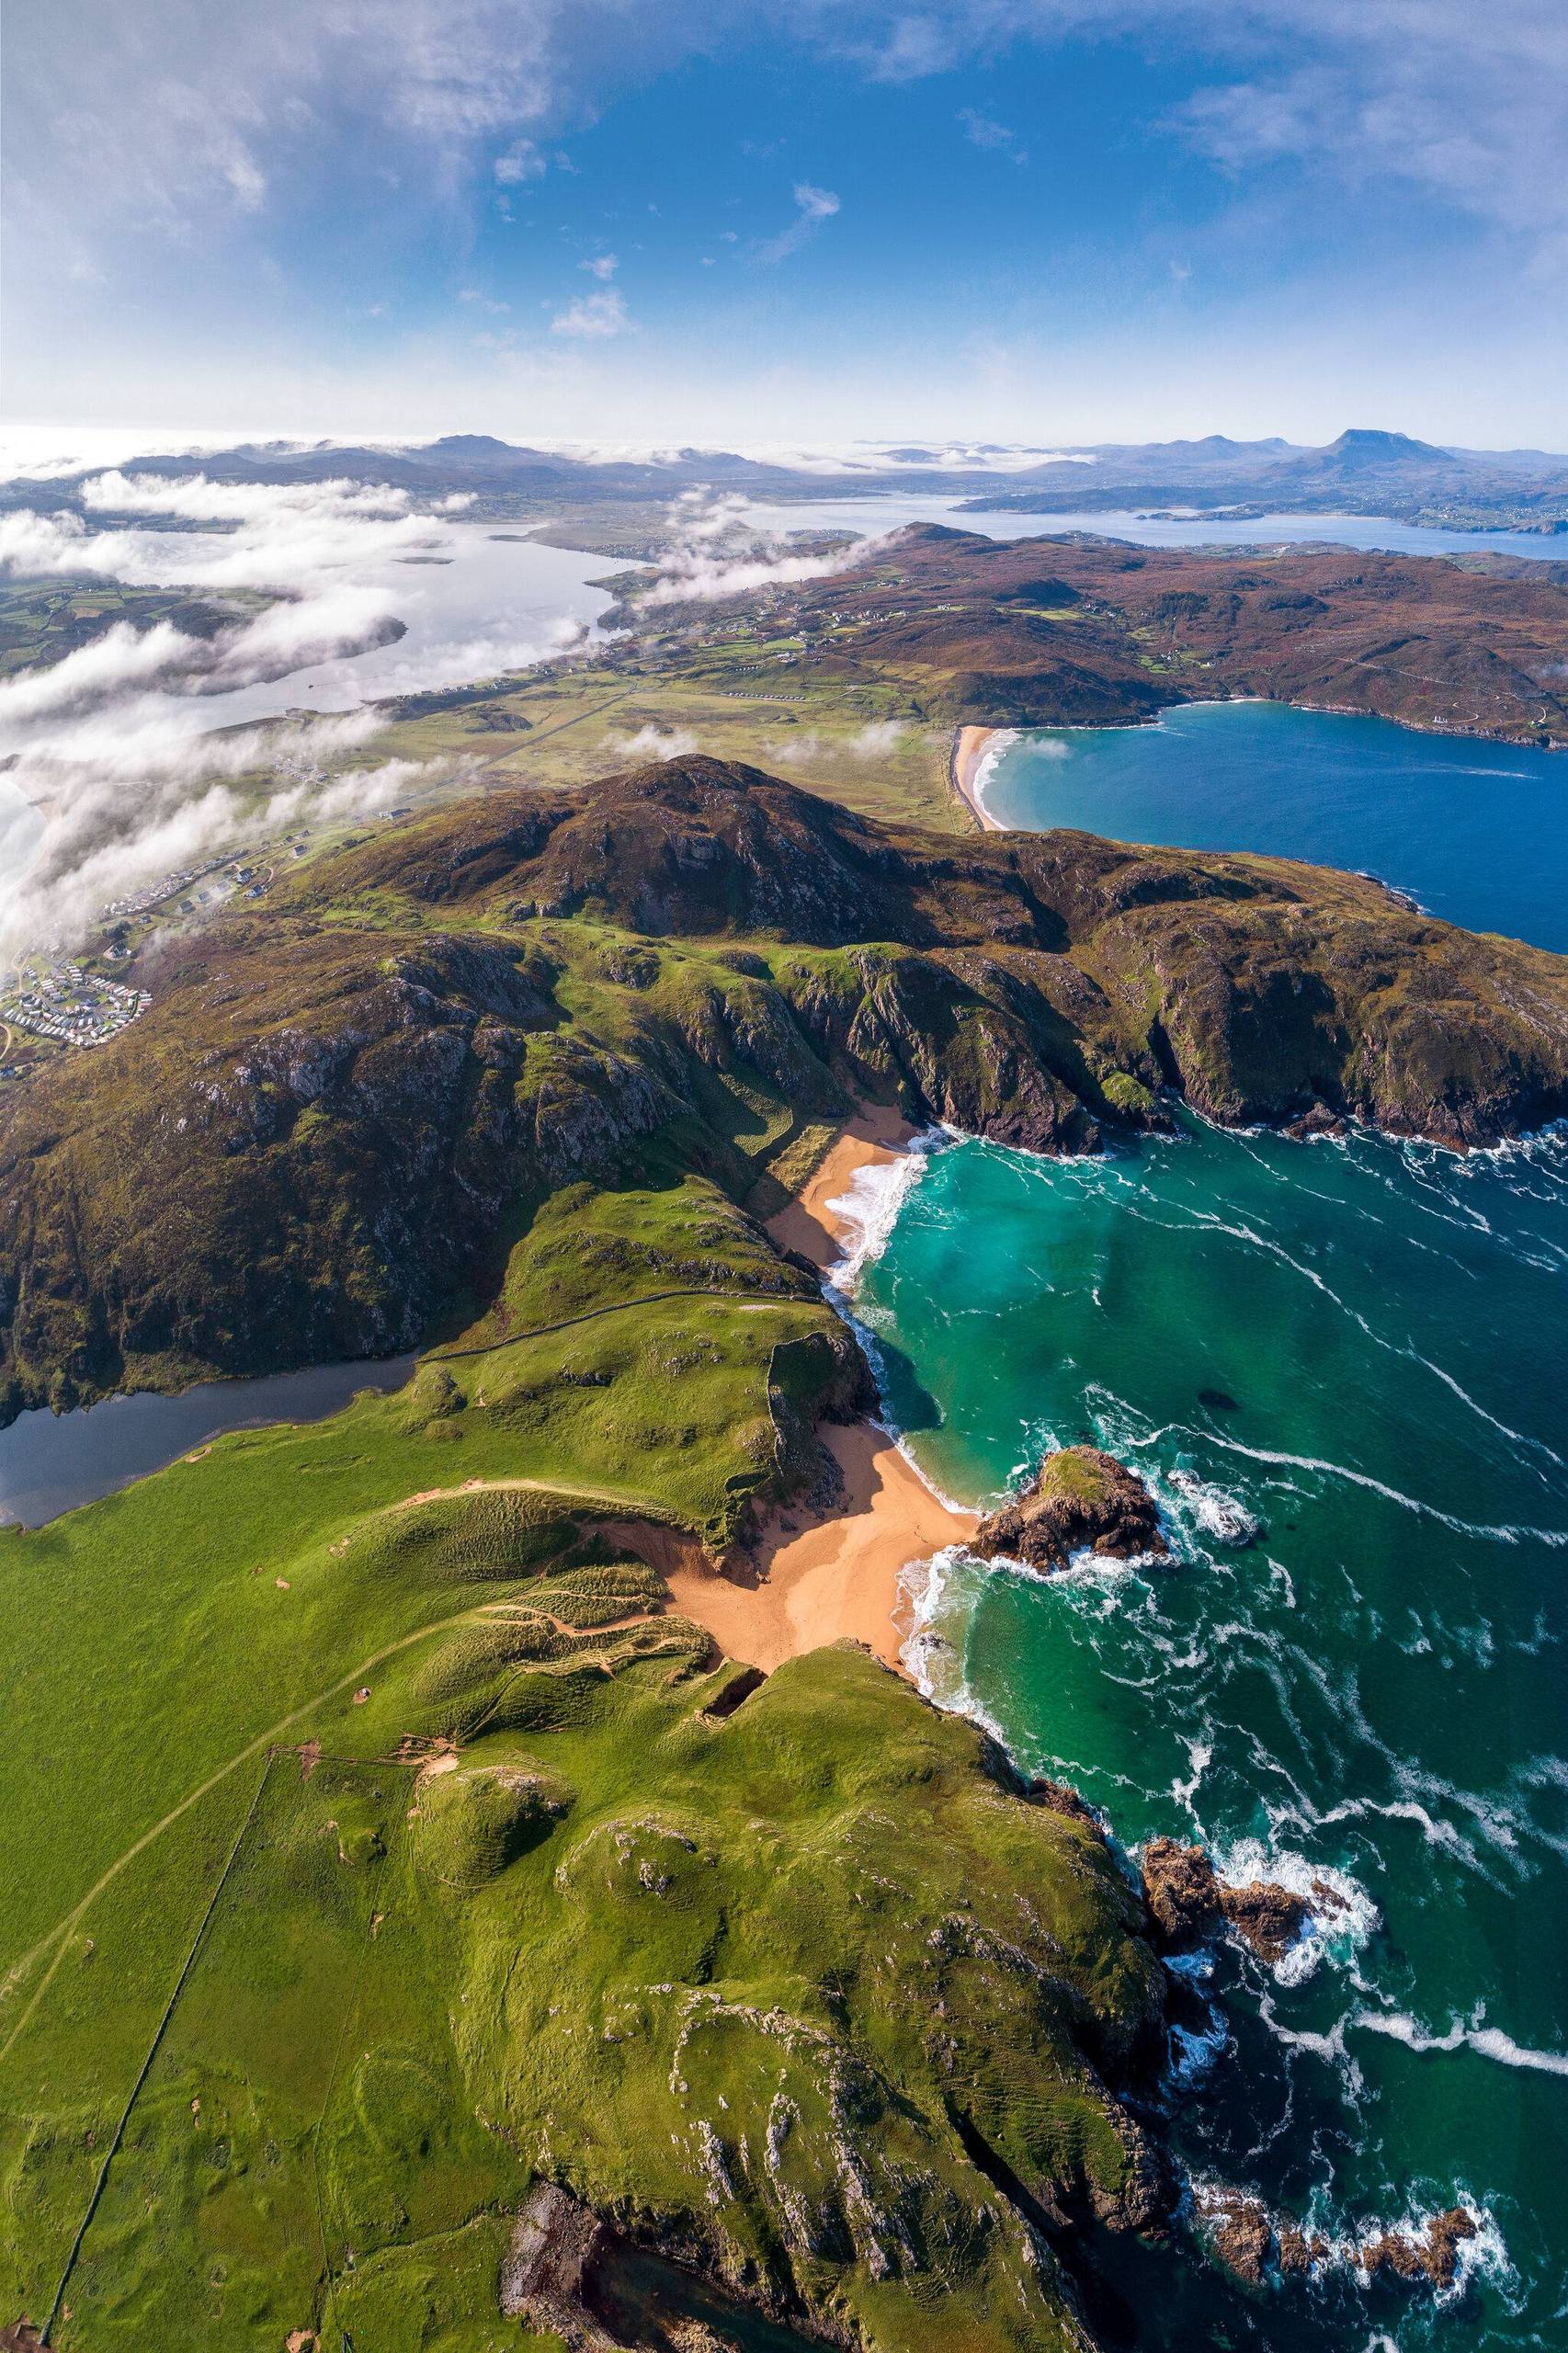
(1217,1513)
(1489,2040)
(1199,1756)
(1195,2051)
(869,1209)
(1002,742)
(1341,1915)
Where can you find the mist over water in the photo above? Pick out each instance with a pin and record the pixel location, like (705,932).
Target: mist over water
(1357,1344)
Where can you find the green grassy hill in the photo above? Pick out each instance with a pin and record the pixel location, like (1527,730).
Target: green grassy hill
(382,1848)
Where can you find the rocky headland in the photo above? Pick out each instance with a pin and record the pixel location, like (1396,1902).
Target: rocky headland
(366,1078)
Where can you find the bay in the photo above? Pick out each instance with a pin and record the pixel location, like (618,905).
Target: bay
(1476,832)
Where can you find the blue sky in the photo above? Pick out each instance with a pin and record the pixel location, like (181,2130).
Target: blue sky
(1051,221)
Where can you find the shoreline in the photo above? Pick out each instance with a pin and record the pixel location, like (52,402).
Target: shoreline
(970,745)
(821,1575)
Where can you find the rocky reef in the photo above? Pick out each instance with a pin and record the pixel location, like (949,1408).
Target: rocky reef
(1079,1501)
(1254,2244)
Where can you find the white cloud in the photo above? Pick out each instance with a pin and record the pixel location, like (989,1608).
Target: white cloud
(129,829)
(813,206)
(594,315)
(521,161)
(286,540)
(651,743)
(914,47)
(875,741)
(603,267)
(718,554)
(982,131)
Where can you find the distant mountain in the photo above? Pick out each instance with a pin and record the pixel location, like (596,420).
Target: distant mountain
(1366,470)
(476,462)
(1363,447)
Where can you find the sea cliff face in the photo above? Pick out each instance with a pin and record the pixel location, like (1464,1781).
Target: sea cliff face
(311,1144)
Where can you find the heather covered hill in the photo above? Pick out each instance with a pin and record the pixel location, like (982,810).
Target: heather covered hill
(1049,631)
(339,1116)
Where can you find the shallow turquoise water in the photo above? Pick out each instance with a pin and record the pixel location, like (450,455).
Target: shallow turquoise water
(1360,1344)
(1477,832)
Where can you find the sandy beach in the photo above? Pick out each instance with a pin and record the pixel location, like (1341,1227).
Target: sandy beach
(875,1136)
(816,1577)
(970,746)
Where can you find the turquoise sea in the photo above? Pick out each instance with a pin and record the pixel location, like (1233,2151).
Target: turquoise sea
(1477,832)
(1357,1347)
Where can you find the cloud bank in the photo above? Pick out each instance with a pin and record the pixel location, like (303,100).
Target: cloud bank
(116,745)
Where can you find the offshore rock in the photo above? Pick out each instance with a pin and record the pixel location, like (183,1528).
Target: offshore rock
(1432,2254)
(1182,1892)
(1082,1501)
(1269,1918)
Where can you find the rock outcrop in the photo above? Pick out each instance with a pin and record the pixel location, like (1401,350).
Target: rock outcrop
(1189,1904)
(1432,2253)
(1254,2244)
(1080,1501)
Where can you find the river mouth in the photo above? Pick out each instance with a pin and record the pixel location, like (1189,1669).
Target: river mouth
(1474,832)
(52,1464)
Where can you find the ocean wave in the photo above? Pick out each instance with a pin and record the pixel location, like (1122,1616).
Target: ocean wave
(1219,1514)
(934,1663)
(1490,2042)
(1505,1532)
(869,1208)
(1002,743)
(1356,2250)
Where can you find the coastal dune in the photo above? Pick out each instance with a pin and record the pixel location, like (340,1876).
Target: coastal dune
(820,1575)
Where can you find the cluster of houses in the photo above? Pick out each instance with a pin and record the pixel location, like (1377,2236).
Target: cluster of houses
(72,1008)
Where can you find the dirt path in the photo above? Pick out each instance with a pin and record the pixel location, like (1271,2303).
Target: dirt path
(60,1934)
(616,1307)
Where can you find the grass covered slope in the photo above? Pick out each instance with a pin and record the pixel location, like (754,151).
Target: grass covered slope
(341,1114)
(384,1849)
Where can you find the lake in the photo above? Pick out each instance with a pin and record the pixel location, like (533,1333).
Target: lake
(885,512)
(51,1462)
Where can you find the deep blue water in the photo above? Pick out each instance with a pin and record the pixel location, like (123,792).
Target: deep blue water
(1477,832)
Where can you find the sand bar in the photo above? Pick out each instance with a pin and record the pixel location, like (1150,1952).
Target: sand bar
(969,747)
(819,1576)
